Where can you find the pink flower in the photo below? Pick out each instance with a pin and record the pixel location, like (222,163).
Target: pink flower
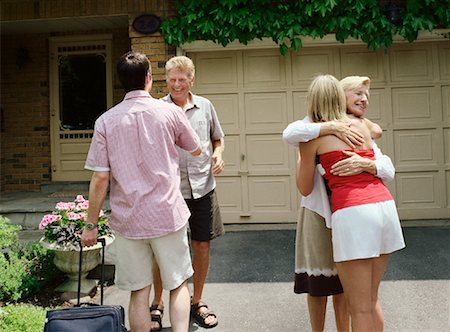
(48,219)
(61,206)
(73,216)
(82,206)
(79,198)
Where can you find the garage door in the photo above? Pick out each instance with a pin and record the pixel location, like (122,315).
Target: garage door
(258,92)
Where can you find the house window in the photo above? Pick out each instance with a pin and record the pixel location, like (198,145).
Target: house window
(82,85)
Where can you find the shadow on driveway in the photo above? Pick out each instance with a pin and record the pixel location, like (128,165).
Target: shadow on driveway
(268,256)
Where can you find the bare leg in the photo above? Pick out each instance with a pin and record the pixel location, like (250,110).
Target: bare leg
(157,284)
(379,266)
(158,298)
(179,308)
(317,306)
(200,264)
(356,278)
(341,314)
(139,315)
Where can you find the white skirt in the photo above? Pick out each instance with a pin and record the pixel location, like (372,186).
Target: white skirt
(366,231)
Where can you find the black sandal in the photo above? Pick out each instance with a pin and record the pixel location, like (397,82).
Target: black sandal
(200,317)
(157,317)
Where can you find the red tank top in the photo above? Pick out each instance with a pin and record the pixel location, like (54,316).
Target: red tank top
(353,190)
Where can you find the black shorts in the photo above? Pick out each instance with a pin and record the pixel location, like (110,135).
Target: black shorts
(205,222)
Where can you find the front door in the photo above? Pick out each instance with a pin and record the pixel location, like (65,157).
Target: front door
(81,90)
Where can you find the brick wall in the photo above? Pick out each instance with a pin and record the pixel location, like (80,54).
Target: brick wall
(25,140)
(25,136)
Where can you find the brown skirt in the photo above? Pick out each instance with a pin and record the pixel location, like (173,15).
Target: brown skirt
(315,271)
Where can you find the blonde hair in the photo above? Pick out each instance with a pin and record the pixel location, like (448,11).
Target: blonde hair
(353,82)
(326,99)
(182,63)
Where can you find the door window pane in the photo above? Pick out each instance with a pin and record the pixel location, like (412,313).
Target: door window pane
(82,95)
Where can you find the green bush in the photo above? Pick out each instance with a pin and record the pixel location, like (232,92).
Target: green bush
(23,268)
(9,233)
(13,270)
(22,318)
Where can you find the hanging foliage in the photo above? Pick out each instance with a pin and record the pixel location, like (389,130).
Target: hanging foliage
(374,22)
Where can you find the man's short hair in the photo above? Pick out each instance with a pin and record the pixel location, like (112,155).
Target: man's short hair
(182,63)
(132,69)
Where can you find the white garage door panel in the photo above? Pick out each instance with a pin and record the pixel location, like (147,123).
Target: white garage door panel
(417,188)
(264,68)
(311,62)
(444,61)
(446,103)
(265,112)
(213,70)
(447,176)
(377,107)
(360,61)
(415,104)
(420,195)
(229,194)
(416,148)
(412,63)
(269,199)
(299,104)
(447,147)
(227,108)
(267,153)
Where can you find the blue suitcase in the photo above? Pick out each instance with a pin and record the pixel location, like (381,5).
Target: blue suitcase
(87,317)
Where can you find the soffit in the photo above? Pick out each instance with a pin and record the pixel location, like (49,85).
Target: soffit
(63,24)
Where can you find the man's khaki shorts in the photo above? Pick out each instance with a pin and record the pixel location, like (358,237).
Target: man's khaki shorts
(134,259)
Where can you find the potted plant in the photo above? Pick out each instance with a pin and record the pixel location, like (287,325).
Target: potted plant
(62,233)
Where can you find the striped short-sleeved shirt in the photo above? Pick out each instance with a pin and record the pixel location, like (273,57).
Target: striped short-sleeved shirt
(196,175)
(136,142)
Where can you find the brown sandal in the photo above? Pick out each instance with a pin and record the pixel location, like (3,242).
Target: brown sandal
(157,317)
(200,317)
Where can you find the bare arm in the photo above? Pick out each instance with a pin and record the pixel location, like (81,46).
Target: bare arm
(217,161)
(381,167)
(375,129)
(306,165)
(353,165)
(304,131)
(97,194)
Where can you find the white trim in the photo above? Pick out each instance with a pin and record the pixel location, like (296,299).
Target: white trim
(328,40)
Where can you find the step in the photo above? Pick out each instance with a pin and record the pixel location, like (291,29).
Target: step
(27,208)
(65,186)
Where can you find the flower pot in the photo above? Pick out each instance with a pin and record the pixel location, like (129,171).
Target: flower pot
(68,262)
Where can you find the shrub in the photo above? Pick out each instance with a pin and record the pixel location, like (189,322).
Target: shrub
(13,270)
(23,268)
(9,233)
(22,317)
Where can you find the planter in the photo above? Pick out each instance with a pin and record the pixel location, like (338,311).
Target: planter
(68,260)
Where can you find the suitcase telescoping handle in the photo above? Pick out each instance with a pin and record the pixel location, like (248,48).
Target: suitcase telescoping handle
(102,274)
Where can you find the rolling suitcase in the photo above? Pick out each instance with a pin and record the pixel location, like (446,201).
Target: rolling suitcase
(85,317)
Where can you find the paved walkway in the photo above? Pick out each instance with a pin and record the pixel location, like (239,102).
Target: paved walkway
(250,284)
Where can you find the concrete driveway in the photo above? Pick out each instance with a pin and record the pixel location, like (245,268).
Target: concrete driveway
(250,284)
